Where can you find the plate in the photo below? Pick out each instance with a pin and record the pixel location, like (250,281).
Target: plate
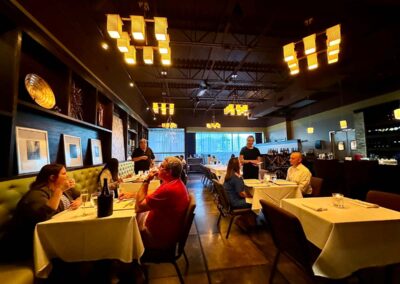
(40,91)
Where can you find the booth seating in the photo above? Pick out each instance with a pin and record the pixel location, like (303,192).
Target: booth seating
(126,168)
(11,192)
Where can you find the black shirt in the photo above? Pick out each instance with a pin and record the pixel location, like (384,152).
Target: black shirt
(143,165)
(250,171)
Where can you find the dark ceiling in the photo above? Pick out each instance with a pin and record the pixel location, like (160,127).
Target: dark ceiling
(213,40)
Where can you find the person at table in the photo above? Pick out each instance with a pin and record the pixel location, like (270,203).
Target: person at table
(299,174)
(161,213)
(51,193)
(250,158)
(110,172)
(234,185)
(143,157)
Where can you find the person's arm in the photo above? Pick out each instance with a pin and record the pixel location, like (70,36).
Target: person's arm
(136,159)
(55,198)
(141,204)
(304,182)
(243,161)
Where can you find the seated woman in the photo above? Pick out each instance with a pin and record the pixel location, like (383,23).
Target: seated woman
(110,172)
(234,185)
(50,193)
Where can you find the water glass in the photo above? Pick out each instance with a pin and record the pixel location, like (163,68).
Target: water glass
(273,177)
(84,197)
(338,200)
(93,199)
(267,178)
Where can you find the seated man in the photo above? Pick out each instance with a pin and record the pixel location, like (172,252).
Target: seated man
(299,174)
(162,213)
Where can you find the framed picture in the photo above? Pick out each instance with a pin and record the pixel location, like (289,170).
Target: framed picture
(341,146)
(353,145)
(72,151)
(32,149)
(97,157)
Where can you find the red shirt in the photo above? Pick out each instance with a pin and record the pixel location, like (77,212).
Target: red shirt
(168,206)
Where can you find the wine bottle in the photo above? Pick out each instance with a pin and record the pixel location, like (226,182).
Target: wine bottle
(105,201)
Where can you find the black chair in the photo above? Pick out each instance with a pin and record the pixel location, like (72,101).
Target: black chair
(289,238)
(384,199)
(224,207)
(172,254)
(316,185)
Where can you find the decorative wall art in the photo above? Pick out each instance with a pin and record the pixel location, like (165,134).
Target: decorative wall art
(341,146)
(76,102)
(97,156)
(353,145)
(72,151)
(32,149)
(118,148)
(40,91)
(100,114)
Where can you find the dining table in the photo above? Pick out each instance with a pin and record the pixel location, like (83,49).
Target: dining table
(218,169)
(79,235)
(358,235)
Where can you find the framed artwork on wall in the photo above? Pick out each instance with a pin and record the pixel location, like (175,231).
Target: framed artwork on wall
(353,145)
(32,149)
(97,157)
(72,151)
(341,146)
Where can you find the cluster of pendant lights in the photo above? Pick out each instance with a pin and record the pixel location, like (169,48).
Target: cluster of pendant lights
(236,109)
(138,32)
(310,50)
(163,108)
(213,124)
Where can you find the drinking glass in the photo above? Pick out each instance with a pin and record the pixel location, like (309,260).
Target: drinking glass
(93,199)
(273,177)
(338,200)
(267,178)
(84,197)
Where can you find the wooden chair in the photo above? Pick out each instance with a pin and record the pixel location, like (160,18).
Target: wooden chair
(384,199)
(172,254)
(225,208)
(316,185)
(289,238)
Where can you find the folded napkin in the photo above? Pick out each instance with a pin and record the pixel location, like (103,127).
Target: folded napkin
(315,207)
(363,203)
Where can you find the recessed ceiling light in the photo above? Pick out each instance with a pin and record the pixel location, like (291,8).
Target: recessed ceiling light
(104,45)
(154,118)
(163,73)
(234,76)
(131,84)
(147,108)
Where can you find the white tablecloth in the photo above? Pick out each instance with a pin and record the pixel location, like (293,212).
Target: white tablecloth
(71,237)
(218,170)
(351,238)
(271,192)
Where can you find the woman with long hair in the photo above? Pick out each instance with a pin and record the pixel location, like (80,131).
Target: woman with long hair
(110,172)
(234,185)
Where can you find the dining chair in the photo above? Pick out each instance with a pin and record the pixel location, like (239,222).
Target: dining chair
(224,206)
(384,199)
(289,239)
(173,253)
(316,185)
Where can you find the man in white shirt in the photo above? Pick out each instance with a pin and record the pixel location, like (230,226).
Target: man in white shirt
(299,174)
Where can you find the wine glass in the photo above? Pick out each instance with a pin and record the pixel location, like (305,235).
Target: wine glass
(93,199)
(84,197)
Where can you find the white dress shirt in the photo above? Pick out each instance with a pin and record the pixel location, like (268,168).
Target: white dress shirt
(302,176)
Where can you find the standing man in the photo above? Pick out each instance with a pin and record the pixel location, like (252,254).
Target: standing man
(250,158)
(299,174)
(143,157)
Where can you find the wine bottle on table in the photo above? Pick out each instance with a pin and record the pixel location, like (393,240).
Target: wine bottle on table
(105,201)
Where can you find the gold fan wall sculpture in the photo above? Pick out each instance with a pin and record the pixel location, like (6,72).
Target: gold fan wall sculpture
(40,91)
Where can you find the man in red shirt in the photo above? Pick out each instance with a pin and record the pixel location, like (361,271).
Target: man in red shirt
(161,213)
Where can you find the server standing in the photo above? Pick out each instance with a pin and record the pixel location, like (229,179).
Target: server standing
(250,158)
(143,157)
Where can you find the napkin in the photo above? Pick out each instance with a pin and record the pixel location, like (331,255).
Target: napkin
(363,203)
(315,207)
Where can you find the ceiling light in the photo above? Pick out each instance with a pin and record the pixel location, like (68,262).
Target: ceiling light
(236,109)
(289,52)
(333,35)
(163,46)
(148,55)
(333,58)
(397,113)
(104,45)
(310,130)
(138,27)
(154,118)
(171,109)
(234,76)
(131,84)
(130,56)
(292,64)
(114,25)
(147,108)
(312,61)
(166,58)
(123,42)
(294,71)
(155,107)
(164,73)
(332,50)
(343,124)
(160,28)
(309,44)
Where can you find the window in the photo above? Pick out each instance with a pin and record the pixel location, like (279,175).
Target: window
(220,144)
(166,142)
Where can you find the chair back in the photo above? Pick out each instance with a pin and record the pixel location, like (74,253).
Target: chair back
(223,199)
(287,234)
(384,199)
(187,224)
(316,185)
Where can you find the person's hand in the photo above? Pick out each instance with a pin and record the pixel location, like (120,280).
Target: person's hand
(153,173)
(76,203)
(126,195)
(144,157)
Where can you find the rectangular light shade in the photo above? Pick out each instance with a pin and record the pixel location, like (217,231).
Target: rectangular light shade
(171,109)
(229,109)
(123,42)
(293,64)
(138,27)
(309,44)
(294,71)
(332,50)
(163,46)
(130,56)
(333,58)
(310,130)
(163,108)
(333,35)
(160,28)
(288,52)
(155,107)
(242,109)
(343,124)
(397,113)
(166,58)
(148,55)
(114,25)
(312,61)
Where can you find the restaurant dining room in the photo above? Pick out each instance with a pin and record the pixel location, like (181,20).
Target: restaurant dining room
(232,141)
